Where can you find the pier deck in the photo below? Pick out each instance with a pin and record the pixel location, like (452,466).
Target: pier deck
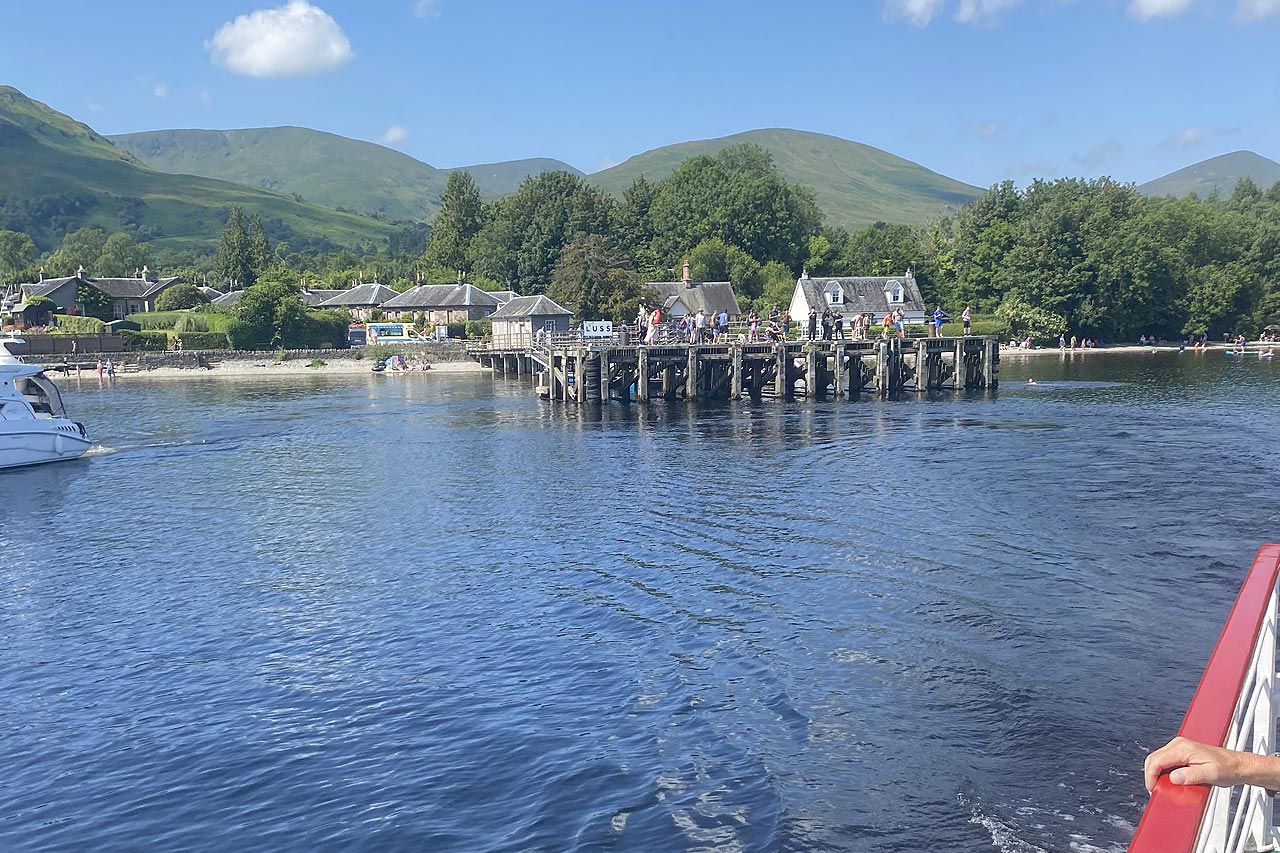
(569,368)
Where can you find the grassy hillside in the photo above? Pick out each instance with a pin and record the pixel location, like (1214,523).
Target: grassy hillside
(57,174)
(855,184)
(1220,173)
(498,179)
(323,168)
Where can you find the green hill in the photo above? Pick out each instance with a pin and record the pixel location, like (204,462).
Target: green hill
(1216,173)
(57,174)
(855,184)
(498,179)
(323,168)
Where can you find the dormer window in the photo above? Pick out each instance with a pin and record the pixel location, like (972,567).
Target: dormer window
(836,295)
(893,292)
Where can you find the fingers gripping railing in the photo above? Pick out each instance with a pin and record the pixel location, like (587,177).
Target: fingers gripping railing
(1234,705)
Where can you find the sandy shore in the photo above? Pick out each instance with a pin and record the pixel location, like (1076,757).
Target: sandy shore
(234,369)
(1007,351)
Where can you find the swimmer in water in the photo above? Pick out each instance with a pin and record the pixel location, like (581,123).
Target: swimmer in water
(1031,381)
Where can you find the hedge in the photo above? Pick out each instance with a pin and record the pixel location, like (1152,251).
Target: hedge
(186,321)
(67,324)
(204,340)
(145,341)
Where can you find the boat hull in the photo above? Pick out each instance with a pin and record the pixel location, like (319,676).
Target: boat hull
(25,443)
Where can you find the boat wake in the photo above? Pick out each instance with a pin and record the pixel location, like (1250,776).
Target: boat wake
(1007,838)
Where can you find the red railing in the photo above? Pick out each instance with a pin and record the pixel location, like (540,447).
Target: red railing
(1171,822)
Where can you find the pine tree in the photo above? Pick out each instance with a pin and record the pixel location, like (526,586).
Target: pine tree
(235,255)
(259,248)
(455,225)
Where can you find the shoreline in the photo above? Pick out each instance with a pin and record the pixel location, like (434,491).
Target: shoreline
(240,369)
(1252,349)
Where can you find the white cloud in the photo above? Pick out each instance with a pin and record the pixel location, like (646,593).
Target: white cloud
(1099,155)
(918,12)
(95,108)
(1145,10)
(394,135)
(987,130)
(1248,11)
(982,11)
(293,40)
(161,90)
(1186,139)
(426,8)
(604,163)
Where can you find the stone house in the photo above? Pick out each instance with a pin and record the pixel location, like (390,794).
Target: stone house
(443,303)
(360,300)
(874,295)
(686,296)
(517,323)
(128,295)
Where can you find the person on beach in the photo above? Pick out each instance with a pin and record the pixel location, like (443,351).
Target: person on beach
(1062,342)
(965,317)
(1189,762)
(111,369)
(100,369)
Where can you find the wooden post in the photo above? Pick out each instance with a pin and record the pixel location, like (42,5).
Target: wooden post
(691,375)
(782,384)
(840,381)
(882,369)
(985,380)
(669,381)
(811,373)
(922,365)
(606,373)
(735,387)
(993,377)
(642,374)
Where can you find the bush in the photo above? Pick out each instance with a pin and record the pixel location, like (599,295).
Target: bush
(204,340)
(982,324)
(145,341)
(479,328)
(457,330)
(183,321)
(317,362)
(67,324)
(180,296)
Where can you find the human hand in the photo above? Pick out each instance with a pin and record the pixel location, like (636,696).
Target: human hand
(1190,762)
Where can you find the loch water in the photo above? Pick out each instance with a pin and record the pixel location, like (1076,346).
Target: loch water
(436,613)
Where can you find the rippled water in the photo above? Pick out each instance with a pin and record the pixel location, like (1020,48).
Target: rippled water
(435,613)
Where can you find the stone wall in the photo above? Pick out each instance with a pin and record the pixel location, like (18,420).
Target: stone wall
(438,352)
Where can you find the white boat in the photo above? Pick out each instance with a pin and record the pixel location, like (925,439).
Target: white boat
(34,427)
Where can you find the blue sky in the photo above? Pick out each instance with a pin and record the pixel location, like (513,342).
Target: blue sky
(980,90)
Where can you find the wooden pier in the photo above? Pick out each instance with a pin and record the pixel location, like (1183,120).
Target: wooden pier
(598,371)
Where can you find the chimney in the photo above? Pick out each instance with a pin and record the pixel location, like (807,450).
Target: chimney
(804,272)
(688,281)
(42,273)
(80,271)
(145,272)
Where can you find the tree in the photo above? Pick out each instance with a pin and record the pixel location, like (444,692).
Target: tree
(17,251)
(715,260)
(593,277)
(179,297)
(259,249)
(120,257)
(80,248)
(235,261)
(521,242)
(739,197)
(456,225)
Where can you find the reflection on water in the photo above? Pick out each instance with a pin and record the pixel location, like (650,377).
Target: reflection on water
(442,614)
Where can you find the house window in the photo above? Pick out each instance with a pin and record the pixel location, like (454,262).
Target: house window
(118,311)
(894,292)
(836,294)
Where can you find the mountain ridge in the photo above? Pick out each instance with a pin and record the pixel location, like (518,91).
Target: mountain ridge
(1218,173)
(57,174)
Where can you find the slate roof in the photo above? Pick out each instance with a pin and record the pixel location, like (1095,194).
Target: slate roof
(228,299)
(116,288)
(710,297)
(430,296)
(313,298)
(530,306)
(210,293)
(362,295)
(863,294)
(503,296)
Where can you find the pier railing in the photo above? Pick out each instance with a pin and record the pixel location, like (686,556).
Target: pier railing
(1235,706)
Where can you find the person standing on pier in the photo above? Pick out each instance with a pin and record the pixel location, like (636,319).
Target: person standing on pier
(700,325)
(826,325)
(938,317)
(965,318)
(813,324)
(786,324)
(838,323)
(642,322)
(722,325)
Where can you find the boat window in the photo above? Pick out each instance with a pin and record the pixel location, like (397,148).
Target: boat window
(14,412)
(43,396)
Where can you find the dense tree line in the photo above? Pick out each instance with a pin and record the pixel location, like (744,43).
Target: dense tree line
(1087,257)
